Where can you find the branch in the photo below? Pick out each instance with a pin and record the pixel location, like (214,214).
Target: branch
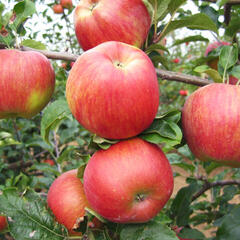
(208,185)
(20,164)
(168,75)
(230,2)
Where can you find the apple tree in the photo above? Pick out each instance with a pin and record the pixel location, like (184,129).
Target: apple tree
(119,120)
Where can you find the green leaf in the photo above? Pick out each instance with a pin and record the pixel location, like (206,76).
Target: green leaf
(162,7)
(154,47)
(209,71)
(33,44)
(148,231)
(228,56)
(101,143)
(23,10)
(181,204)
(236,71)
(220,3)
(53,114)
(7,139)
(230,228)
(174,5)
(198,21)
(234,27)
(190,39)
(164,129)
(191,233)
(29,218)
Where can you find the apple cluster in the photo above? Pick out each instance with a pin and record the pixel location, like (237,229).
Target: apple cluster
(112,90)
(59,8)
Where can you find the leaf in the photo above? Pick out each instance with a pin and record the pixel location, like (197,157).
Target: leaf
(53,114)
(148,231)
(174,5)
(236,71)
(230,228)
(191,233)
(162,7)
(228,56)
(7,139)
(190,39)
(164,129)
(233,28)
(181,204)
(23,10)
(211,72)
(198,21)
(154,47)
(220,3)
(28,217)
(33,44)
(101,143)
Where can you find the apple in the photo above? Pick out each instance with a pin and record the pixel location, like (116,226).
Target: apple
(27,83)
(49,161)
(214,62)
(64,65)
(112,90)
(57,8)
(210,121)
(99,21)
(176,60)
(71,64)
(67,200)
(128,183)
(233,80)
(66,4)
(183,92)
(3,223)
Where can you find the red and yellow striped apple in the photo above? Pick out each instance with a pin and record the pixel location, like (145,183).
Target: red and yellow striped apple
(67,200)
(128,183)
(27,83)
(98,21)
(210,121)
(112,90)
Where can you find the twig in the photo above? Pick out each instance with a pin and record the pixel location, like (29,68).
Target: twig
(20,164)
(227,13)
(208,185)
(57,150)
(168,75)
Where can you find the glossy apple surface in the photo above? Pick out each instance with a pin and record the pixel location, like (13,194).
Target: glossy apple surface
(128,183)
(112,90)
(67,200)
(27,83)
(99,21)
(66,3)
(210,121)
(57,8)
(3,223)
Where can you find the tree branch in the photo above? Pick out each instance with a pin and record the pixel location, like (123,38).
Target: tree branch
(168,75)
(208,185)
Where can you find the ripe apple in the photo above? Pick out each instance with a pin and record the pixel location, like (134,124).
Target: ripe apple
(233,80)
(214,62)
(128,183)
(3,223)
(71,64)
(210,121)
(27,83)
(67,200)
(112,90)
(176,60)
(57,8)
(99,21)
(183,92)
(49,161)
(66,4)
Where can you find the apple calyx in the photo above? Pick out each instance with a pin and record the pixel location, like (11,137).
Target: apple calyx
(140,197)
(118,64)
(93,6)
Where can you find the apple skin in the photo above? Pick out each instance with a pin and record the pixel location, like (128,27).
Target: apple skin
(57,8)
(3,223)
(49,161)
(183,92)
(99,21)
(214,62)
(66,4)
(128,183)
(233,80)
(112,90)
(67,200)
(27,82)
(210,121)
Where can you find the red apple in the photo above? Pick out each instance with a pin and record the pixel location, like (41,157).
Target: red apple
(183,92)
(214,62)
(176,60)
(100,21)
(233,80)
(112,90)
(128,183)
(64,65)
(67,200)
(27,83)
(49,161)
(71,64)
(3,223)
(66,4)
(57,8)
(210,121)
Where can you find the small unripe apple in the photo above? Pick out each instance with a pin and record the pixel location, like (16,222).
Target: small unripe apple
(3,223)
(210,121)
(100,21)
(27,82)
(112,90)
(57,8)
(128,183)
(67,200)
(66,4)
